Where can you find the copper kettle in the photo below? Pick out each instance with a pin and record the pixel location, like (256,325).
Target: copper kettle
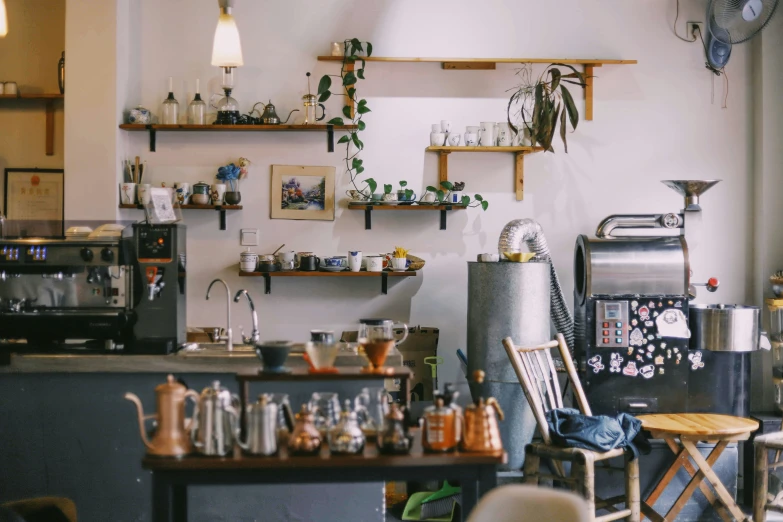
(305,439)
(171,438)
(481,431)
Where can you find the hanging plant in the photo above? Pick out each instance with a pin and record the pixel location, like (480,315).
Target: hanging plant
(349,80)
(541,106)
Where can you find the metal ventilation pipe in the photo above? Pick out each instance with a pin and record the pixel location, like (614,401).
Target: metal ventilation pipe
(529,231)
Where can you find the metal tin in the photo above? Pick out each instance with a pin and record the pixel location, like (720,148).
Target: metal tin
(507,300)
(724,328)
(655,266)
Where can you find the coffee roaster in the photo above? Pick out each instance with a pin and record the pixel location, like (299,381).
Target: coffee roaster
(113,293)
(631,310)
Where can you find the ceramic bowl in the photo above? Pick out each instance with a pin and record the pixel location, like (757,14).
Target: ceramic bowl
(273,354)
(321,355)
(488,258)
(199,199)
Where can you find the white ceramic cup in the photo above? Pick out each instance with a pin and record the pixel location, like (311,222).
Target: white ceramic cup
(287,260)
(143,193)
(399,263)
(10,88)
(217,191)
(429,197)
(437,139)
(445,126)
(247,266)
(487,134)
(471,140)
(435,127)
(472,129)
(505,136)
(488,258)
(454,139)
(374,264)
(355,260)
(127,193)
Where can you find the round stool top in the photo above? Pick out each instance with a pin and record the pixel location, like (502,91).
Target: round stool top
(697,424)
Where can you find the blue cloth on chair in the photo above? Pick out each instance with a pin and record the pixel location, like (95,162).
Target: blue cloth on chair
(570,428)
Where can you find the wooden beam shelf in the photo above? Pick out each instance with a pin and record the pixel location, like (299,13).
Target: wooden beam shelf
(49,98)
(220,208)
(154,128)
(383,276)
(369,209)
(456,64)
(519,162)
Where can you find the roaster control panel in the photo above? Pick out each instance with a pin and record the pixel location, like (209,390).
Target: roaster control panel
(611,324)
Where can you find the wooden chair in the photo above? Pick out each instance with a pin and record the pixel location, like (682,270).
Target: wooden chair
(762,499)
(536,373)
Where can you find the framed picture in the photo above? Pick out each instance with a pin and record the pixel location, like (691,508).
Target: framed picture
(300,192)
(34,201)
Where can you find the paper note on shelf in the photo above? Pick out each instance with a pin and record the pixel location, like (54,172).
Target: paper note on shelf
(161,207)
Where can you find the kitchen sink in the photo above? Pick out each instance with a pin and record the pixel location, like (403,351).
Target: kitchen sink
(216,350)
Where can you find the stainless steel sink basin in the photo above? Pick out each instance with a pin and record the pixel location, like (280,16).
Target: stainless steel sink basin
(217,350)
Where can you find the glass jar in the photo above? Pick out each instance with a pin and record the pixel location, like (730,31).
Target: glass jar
(170,110)
(197,110)
(311,105)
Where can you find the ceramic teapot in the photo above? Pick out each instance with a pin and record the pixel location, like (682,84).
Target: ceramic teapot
(393,437)
(270,117)
(171,437)
(305,439)
(481,431)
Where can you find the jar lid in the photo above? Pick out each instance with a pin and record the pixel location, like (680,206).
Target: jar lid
(375,322)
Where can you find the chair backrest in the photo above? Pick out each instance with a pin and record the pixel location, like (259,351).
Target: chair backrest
(516,502)
(537,375)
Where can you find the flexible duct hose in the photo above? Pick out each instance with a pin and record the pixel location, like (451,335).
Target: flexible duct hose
(529,231)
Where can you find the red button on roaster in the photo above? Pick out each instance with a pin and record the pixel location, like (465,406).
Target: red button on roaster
(606,325)
(606,341)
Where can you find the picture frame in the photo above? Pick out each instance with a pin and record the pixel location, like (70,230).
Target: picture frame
(302,192)
(34,201)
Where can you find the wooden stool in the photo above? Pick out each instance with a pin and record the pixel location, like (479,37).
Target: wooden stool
(682,431)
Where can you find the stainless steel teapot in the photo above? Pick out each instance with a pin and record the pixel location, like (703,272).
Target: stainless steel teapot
(262,426)
(269,116)
(215,421)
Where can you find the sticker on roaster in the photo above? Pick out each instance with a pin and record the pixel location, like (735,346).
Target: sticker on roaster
(637,337)
(673,323)
(696,361)
(647,371)
(615,362)
(595,363)
(644,313)
(630,369)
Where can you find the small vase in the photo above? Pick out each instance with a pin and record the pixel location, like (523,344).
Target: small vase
(233,198)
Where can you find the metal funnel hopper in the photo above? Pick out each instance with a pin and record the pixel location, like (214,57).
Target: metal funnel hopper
(691,189)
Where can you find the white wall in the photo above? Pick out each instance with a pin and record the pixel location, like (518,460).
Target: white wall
(653,121)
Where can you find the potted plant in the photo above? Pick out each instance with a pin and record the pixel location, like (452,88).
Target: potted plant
(404,194)
(442,195)
(231,174)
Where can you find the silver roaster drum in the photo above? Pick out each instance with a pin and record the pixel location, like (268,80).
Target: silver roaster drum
(507,300)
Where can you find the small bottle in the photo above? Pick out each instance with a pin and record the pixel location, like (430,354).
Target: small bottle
(197,110)
(170,112)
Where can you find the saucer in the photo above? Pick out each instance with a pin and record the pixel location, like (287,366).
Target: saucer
(333,268)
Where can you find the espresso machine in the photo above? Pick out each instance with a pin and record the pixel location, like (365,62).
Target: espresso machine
(121,294)
(631,307)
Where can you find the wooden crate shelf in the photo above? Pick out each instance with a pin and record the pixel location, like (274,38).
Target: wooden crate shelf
(153,129)
(220,208)
(369,209)
(49,98)
(383,276)
(519,162)
(456,64)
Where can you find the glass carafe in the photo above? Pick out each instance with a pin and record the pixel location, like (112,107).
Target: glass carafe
(170,107)
(197,110)
(372,405)
(325,407)
(378,330)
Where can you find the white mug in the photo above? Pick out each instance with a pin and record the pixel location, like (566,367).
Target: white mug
(437,139)
(287,260)
(10,88)
(505,137)
(471,139)
(355,260)
(429,197)
(435,127)
(472,129)
(374,264)
(217,191)
(445,126)
(127,193)
(487,134)
(143,193)
(247,266)
(454,139)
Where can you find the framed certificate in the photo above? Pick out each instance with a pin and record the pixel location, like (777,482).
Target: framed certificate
(34,201)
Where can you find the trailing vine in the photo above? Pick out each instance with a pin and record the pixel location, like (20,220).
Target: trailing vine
(349,79)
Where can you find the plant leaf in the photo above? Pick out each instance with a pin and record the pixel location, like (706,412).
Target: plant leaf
(335,121)
(347,111)
(440,195)
(362,109)
(403,183)
(356,163)
(324,96)
(351,92)
(485,205)
(356,44)
(370,182)
(448,185)
(364,64)
(478,197)
(360,73)
(359,170)
(408,194)
(344,139)
(369,49)
(357,141)
(387,189)
(361,125)
(563,130)
(430,188)
(578,74)
(465,200)
(324,84)
(555,74)
(351,59)
(349,79)
(570,106)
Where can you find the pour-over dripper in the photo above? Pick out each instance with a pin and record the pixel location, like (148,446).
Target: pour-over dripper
(691,189)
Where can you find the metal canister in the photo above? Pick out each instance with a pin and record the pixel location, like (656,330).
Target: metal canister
(440,427)
(507,300)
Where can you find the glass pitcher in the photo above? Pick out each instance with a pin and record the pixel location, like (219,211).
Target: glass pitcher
(372,406)
(378,330)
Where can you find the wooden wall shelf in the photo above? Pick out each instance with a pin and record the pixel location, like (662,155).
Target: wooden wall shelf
(456,64)
(383,276)
(154,128)
(49,98)
(519,162)
(220,208)
(369,209)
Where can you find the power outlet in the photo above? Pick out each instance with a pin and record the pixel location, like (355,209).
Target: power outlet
(694,29)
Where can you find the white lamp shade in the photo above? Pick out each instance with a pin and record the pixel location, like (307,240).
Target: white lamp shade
(227,49)
(3,19)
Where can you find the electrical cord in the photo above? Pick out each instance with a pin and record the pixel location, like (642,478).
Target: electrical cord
(677,17)
(716,72)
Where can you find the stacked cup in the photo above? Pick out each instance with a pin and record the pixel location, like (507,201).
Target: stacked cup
(248,261)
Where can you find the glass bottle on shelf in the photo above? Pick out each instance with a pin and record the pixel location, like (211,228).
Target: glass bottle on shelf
(170,112)
(197,110)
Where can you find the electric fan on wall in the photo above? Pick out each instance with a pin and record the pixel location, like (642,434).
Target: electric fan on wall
(732,22)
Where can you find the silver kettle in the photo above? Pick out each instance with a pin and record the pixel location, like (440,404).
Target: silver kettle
(262,419)
(269,116)
(215,425)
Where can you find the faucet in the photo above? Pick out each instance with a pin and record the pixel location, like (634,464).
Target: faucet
(254,335)
(229,337)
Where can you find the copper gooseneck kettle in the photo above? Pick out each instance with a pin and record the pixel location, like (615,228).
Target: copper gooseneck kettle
(481,423)
(171,438)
